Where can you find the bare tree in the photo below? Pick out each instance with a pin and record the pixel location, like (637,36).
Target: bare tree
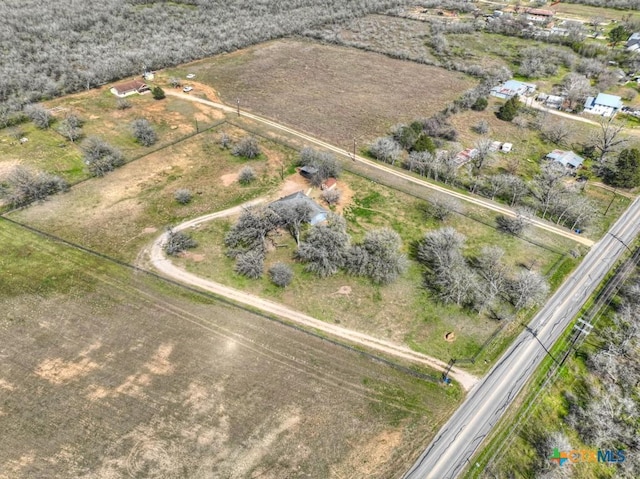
(143,132)
(608,138)
(528,289)
(385,149)
(548,187)
(482,127)
(558,133)
(250,264)
(71,127)
(177,242)
(577,88)
(247,147)
(251,230)
(292,215)
(515,225)
(383,260)
(483,154)
(281,274)
(100,157)
(492,271)
(332,196)
(39,115)
(441,248)
(325,248)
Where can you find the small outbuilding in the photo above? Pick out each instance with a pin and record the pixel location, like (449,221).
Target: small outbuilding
(568,159)
(308,171)
(130,88)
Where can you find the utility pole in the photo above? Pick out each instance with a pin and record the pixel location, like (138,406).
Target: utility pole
(354,149)
(238,102)
(197,129)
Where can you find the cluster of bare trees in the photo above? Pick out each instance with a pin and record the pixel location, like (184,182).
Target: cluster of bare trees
(24,186)
(607,416)
(478,283)
(325,249)
(49,54)
(621,4)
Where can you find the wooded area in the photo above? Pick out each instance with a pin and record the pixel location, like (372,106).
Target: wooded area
(65,46)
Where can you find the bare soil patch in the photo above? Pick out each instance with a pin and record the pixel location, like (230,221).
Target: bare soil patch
(332,92)
(184,386)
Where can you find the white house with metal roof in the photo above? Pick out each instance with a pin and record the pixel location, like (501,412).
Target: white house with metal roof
(512,88)
(604,105)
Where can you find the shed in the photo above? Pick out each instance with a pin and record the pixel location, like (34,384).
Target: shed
(568,159)
(507,147)
(318,213)
(308,171)
(329,184)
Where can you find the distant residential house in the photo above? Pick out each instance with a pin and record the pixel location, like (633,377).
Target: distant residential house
(318,213)
(539,15)
(634,41)
(130,88)
(511,88)
(464,157)
(604,105)
(551,101)
(568,159)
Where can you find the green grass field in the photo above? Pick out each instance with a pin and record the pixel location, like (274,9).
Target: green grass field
(108,372)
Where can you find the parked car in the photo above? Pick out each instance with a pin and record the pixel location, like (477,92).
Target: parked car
(191,75)
(187,89)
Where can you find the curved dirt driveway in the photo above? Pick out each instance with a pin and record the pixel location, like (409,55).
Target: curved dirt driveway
(166,267)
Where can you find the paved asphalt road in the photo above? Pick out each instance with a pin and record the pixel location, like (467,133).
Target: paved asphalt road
(462,435)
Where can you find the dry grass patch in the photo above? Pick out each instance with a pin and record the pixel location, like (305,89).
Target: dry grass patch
(332,92)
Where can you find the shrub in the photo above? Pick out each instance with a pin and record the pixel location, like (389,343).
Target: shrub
(250,264)
(183,196)
(158,93)
(480,104)
(332,196)
(281,275)
(424,143)
(385,149)
(100,157)
(123,104)
(246,176)
(247,147)
(39,116)
(481,128)
(177,242)
(144,132)
(225,141)
(509,110)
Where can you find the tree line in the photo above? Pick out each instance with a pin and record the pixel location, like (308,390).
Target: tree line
(48,53)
